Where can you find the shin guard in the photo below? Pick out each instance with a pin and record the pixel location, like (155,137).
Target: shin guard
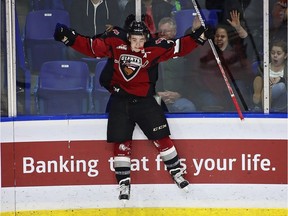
(167,152)
(122,161)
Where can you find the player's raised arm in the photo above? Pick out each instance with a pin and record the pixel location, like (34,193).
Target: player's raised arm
(82,44)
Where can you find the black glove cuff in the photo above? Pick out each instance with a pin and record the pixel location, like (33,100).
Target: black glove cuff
(196,35)
(209,33)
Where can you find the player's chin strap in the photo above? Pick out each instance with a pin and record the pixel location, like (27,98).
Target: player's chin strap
(219,63)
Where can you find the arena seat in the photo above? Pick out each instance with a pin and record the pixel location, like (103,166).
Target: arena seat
(39,42)
(63,88)
(100,94)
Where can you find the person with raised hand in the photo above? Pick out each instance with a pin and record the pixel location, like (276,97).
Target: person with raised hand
(132,87)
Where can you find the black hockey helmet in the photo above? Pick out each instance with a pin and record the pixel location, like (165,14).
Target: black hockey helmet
(138,28)
(130,18)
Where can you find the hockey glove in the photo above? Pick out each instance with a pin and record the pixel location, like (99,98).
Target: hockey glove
(201,35)
(64,34)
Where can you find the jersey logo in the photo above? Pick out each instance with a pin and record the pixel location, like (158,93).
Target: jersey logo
(122,47)
(129,66)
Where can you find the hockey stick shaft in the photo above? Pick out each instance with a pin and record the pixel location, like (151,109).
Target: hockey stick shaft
(138,10)
(235,102)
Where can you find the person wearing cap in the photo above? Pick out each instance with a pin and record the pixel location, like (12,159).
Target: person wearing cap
(136,57)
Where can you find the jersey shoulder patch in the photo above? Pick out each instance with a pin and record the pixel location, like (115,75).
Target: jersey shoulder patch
(160,42)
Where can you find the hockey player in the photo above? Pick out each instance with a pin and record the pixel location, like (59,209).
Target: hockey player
(132,86)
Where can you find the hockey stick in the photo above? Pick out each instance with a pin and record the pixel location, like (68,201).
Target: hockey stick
(138,10)
(219,64)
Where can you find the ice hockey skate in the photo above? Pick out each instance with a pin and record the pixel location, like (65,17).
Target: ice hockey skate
(124,187)
(181,182)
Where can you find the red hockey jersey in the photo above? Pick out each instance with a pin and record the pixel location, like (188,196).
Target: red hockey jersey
(135,73)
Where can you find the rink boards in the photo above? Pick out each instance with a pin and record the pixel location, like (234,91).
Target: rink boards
(64,167)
